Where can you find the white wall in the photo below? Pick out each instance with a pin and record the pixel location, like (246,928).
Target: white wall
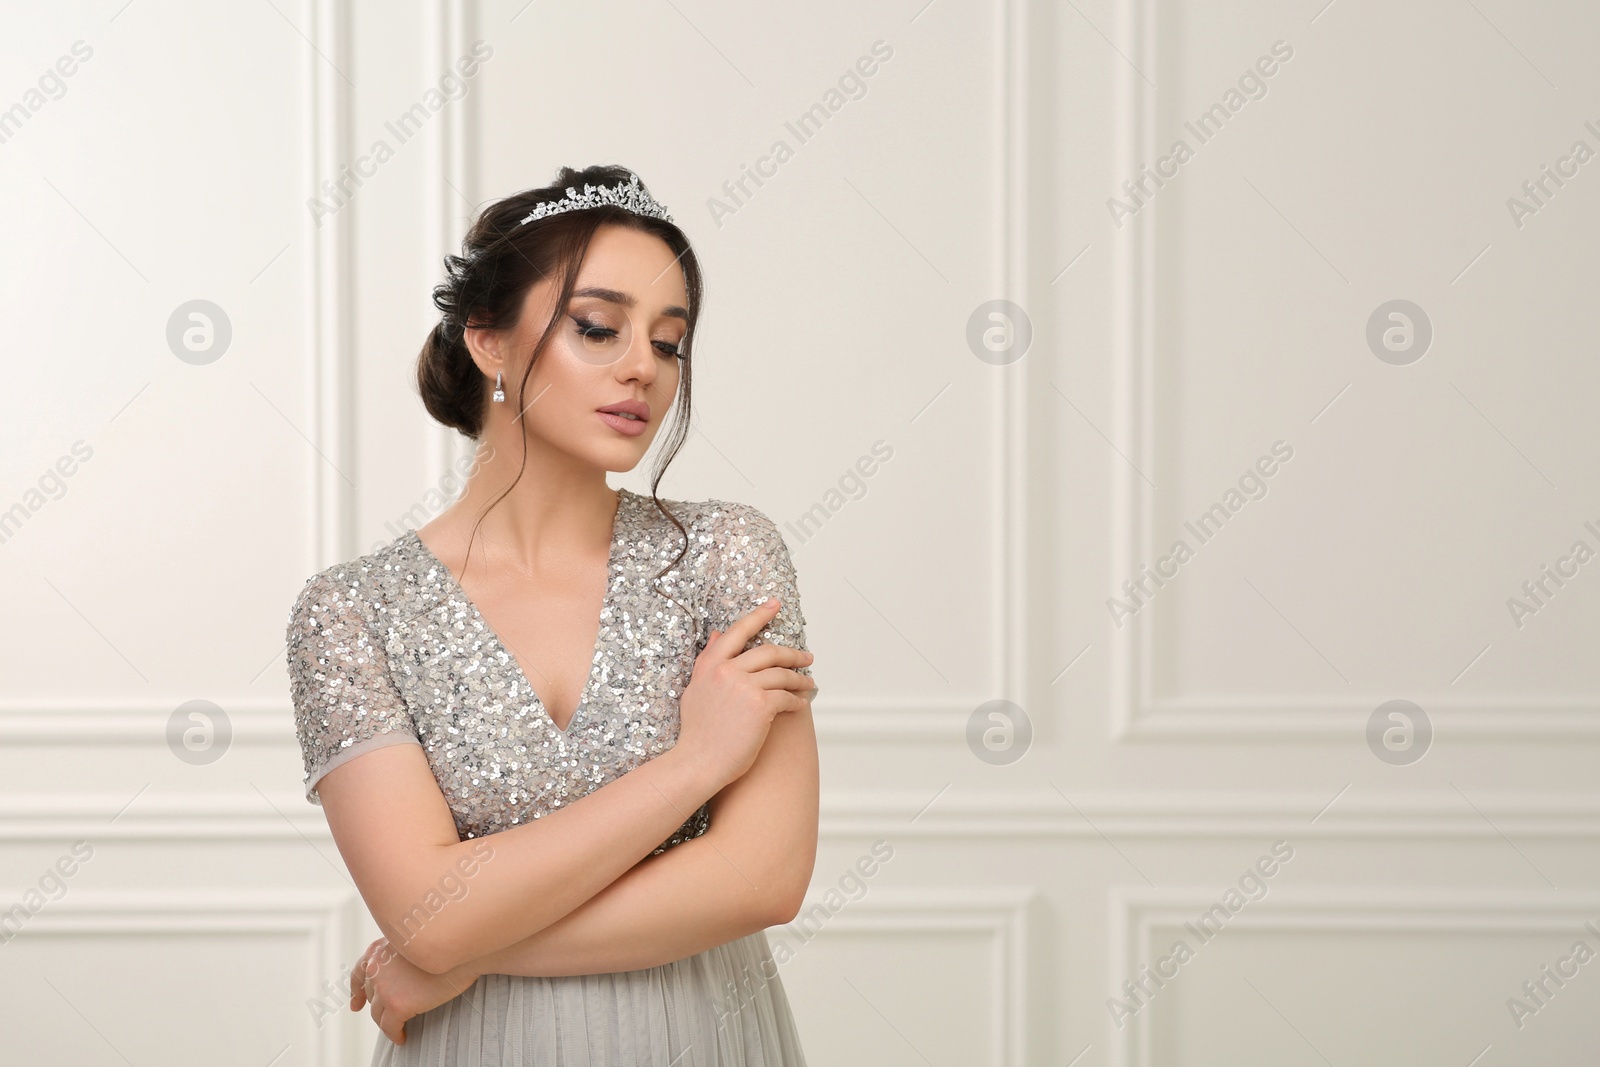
(1170,746)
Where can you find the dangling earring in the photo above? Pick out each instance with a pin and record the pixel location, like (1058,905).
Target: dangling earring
(499,392)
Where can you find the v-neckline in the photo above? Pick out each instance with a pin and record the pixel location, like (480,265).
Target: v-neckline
(521,675)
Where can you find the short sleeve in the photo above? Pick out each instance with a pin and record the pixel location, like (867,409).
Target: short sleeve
(345,702)
(747,562)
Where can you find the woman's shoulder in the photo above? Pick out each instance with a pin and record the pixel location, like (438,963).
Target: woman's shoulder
(360,584)
(732,545)
(714,521)
(707,512)
(737,557)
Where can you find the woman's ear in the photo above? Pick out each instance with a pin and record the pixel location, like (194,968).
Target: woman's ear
(483,345)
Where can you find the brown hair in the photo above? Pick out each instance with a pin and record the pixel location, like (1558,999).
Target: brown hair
(485,287)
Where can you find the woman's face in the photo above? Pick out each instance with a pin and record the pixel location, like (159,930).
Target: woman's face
(615,345)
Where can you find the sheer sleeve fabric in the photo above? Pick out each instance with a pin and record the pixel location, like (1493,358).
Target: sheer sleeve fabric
(345,702)
(747,563)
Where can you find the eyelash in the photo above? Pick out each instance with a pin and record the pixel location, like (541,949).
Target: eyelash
(593,329)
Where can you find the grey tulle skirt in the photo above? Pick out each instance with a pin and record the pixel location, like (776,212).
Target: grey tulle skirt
(724,1007)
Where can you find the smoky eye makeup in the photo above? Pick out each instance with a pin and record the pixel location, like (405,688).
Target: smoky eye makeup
(594,340)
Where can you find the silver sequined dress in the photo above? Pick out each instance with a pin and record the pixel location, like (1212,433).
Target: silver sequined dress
(388,649)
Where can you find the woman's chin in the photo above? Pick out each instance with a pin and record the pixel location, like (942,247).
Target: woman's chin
(620,456)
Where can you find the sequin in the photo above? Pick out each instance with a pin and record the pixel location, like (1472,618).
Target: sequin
(388,649)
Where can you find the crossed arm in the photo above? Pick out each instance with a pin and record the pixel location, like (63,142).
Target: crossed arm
(747,872)
(576,892)
(760,848)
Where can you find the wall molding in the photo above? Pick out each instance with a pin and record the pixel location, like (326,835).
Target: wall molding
(327,268)
(135,722)
(1136,913)
(327,920)
(1238,719)
(1028,814)
(1302,719)
(271,722)
(856,815)
(447,31)
(1138,714)
(1001,913)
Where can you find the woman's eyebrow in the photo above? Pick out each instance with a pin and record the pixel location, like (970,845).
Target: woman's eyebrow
(627,300)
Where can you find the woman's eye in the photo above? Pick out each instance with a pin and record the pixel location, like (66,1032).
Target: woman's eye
(594,333)
(593,330)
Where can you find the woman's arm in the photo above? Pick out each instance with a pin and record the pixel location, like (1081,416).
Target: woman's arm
(692,897)
(442,901)
(748,871)
(399,841)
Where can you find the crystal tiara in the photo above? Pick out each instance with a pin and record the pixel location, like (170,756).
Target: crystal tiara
(630,195)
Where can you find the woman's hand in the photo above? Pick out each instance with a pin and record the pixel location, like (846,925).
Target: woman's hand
(732,696)
(398,989)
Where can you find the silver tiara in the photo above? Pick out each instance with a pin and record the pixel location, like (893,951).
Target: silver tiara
(630,195)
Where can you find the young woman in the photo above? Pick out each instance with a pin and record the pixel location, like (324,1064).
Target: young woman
(573,844)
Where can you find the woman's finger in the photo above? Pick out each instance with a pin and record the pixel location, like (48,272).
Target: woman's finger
(743,629)
(358,993)
(770,654)
(796,701)
(369,982)
(387,1022)
(783,678)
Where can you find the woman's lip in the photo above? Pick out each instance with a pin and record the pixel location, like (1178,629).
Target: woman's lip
(623,424)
